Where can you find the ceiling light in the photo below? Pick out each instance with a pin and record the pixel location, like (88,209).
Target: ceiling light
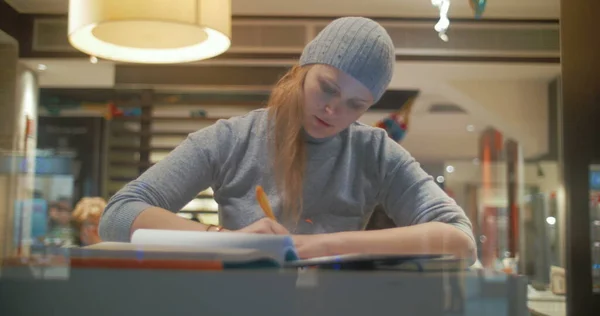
(93,59)
(551,220)
(443,23)
(470,128)
(154,32)
(450,169)
(42,67)
(440,179)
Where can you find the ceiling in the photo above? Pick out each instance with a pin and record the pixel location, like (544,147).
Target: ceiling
(511,9)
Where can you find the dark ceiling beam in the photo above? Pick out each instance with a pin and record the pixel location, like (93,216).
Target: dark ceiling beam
(391,100)
(26,36)
(28,53)
(204,76)
(9,20)
(404,57)
(403,19)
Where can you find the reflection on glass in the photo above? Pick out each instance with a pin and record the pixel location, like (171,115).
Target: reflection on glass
(538,251)
(595,225)
(42,213)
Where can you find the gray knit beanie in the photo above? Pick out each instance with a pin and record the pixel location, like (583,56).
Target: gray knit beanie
(357,46)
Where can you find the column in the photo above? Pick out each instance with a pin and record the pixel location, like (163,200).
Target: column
(580,116)
(513,187)
(493,204)
(18,105)
(26,104)
(8,81)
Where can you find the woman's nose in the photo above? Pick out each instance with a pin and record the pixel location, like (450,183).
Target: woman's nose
(331,105)
(329,109)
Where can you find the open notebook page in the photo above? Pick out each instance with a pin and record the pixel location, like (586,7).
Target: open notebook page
(279,247)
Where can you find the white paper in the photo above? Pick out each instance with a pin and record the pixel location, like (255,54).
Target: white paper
(281,247)
(152,251)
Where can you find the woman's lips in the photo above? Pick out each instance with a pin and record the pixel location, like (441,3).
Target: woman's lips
(323,123)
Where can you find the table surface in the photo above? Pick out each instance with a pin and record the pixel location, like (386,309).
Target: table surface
(87,291)
(546,303)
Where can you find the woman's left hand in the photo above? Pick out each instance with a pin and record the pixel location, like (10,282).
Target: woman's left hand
(311,246)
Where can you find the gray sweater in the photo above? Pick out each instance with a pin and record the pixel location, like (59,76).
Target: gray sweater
(346,177)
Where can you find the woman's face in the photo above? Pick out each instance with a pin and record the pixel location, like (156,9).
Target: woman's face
(332,101)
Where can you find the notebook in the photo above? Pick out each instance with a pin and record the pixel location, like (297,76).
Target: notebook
(170,249)
(386,262)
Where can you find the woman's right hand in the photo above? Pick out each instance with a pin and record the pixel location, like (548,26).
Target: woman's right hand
(265,226)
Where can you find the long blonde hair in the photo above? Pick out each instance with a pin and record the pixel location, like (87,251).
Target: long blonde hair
(286,110)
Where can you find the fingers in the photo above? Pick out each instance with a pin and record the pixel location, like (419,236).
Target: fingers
(265,226)
(273,227)
(278,229)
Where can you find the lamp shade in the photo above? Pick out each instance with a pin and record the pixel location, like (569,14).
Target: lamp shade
(150,31)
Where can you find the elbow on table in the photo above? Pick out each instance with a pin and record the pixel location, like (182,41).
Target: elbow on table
(123,209)
(470,252)
(116,218)
(105,225)
(457,241)
(465,247)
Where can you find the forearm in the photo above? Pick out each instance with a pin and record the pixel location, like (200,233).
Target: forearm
(427,238)
(167,186)
(158,218)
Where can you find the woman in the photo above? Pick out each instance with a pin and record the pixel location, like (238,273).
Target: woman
(323,172)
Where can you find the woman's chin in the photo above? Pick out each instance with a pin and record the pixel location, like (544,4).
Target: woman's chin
(318,134)
(316,130)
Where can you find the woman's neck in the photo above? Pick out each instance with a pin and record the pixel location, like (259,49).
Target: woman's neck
(313,140)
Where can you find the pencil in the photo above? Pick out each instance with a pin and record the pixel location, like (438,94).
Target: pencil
(263,201)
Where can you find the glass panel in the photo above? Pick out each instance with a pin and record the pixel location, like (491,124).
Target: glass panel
(486,133)
(595,225)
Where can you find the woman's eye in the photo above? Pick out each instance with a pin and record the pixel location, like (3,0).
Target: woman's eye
(328,89)
(355,106)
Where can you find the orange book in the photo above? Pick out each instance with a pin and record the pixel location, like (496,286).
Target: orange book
(121,263)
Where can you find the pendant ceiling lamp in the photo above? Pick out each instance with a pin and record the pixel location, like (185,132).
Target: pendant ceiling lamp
(150,31)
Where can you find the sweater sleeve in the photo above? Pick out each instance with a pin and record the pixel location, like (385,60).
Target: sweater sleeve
(410,196)
(171,183)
